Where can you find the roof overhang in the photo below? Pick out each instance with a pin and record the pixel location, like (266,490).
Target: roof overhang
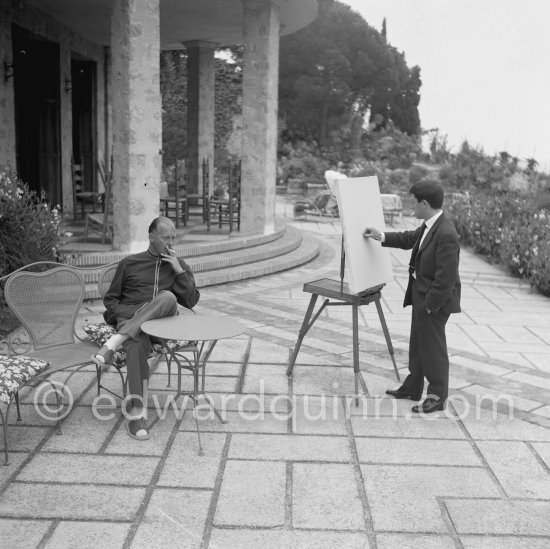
(219,21)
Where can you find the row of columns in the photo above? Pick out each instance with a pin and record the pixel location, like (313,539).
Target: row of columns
(137,122)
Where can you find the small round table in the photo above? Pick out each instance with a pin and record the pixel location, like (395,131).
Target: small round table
(193,329)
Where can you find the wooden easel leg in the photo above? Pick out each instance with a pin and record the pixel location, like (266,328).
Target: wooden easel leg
(387,336)
(303,331)
(357,374)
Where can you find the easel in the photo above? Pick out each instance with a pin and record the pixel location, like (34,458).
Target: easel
(339,291)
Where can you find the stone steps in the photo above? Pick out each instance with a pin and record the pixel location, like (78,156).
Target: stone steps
(223,261)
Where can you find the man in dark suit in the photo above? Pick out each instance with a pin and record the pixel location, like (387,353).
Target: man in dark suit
(433,291)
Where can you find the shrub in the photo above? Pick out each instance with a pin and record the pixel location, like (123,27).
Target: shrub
(509,228)
(29,230)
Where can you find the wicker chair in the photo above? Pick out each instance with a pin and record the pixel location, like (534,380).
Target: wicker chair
(100,333)
(47,304)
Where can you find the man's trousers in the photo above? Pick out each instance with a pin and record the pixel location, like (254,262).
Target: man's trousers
(138,346)
(428,355)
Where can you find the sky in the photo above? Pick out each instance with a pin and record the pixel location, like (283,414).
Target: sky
(485,68)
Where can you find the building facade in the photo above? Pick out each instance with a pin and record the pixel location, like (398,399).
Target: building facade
(80,84)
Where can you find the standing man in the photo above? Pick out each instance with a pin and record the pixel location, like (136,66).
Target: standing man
(433,291)
(146,285)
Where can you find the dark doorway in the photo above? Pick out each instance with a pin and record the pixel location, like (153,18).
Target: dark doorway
(83,80)
(36,86)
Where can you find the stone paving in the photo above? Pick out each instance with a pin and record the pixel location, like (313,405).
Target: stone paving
(298,464)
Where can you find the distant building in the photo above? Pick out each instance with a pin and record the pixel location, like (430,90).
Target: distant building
(81,81)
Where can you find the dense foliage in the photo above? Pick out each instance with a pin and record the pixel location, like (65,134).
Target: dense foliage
(173,83)
(338,71)
(29,230)
(509,228)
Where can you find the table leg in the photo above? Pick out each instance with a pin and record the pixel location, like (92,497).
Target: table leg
(203,362)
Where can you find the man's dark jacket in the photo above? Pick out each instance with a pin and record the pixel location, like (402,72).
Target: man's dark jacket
(436,265)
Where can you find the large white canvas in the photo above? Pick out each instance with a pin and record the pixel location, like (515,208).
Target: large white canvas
(360,206)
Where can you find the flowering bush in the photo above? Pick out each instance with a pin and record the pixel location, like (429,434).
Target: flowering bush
(29,230)
(507,227)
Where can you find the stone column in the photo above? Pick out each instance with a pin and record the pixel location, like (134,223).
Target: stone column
(7,98)
(137,125)
(259,141)
(200,110)
(66,123)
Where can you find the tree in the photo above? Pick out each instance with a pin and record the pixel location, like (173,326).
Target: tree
(173,84)
(337,70)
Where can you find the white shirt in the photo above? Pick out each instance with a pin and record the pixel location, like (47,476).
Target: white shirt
(429,224)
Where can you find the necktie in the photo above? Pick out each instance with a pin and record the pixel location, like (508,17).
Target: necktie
(415,250)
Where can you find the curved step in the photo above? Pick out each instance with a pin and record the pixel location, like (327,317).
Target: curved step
(289,240)
(308,250)
(263,256)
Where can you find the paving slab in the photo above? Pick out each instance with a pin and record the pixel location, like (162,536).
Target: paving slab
(517,469)
(25,439)
(251,402)
(266,378)
(484,393)
(184,467)
(252,494)
(85,468)
(318,415)
(504,542)
(413,451)
(290,448)
(407,427)
(486,425)
(414,541)
(22,534)
(403,498)
(82,432)
(88,535)
(325,496)
(295,539)
(498,517)
(244,422)
(49,501)
(325,380)
(173,519)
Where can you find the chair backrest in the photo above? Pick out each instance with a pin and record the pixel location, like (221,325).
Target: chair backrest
(77,172)
(322,199)
(106,174)
(105,278)
(46,304)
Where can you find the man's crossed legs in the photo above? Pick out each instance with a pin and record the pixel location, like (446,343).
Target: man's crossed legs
(138,346)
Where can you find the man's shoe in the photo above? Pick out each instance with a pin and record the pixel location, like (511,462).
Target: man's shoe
(429,406)
(137,429)
(104,357)
(400,393)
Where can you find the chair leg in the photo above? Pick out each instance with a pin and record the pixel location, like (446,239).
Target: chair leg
(5,431)
(16,396)
(169,365)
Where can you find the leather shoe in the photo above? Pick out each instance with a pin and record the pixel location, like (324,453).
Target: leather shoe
(400,393)
(428,406)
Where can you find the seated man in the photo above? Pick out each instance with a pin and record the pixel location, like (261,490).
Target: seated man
(146,285)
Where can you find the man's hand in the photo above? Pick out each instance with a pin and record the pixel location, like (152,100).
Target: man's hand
(170,257)
(371,232)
